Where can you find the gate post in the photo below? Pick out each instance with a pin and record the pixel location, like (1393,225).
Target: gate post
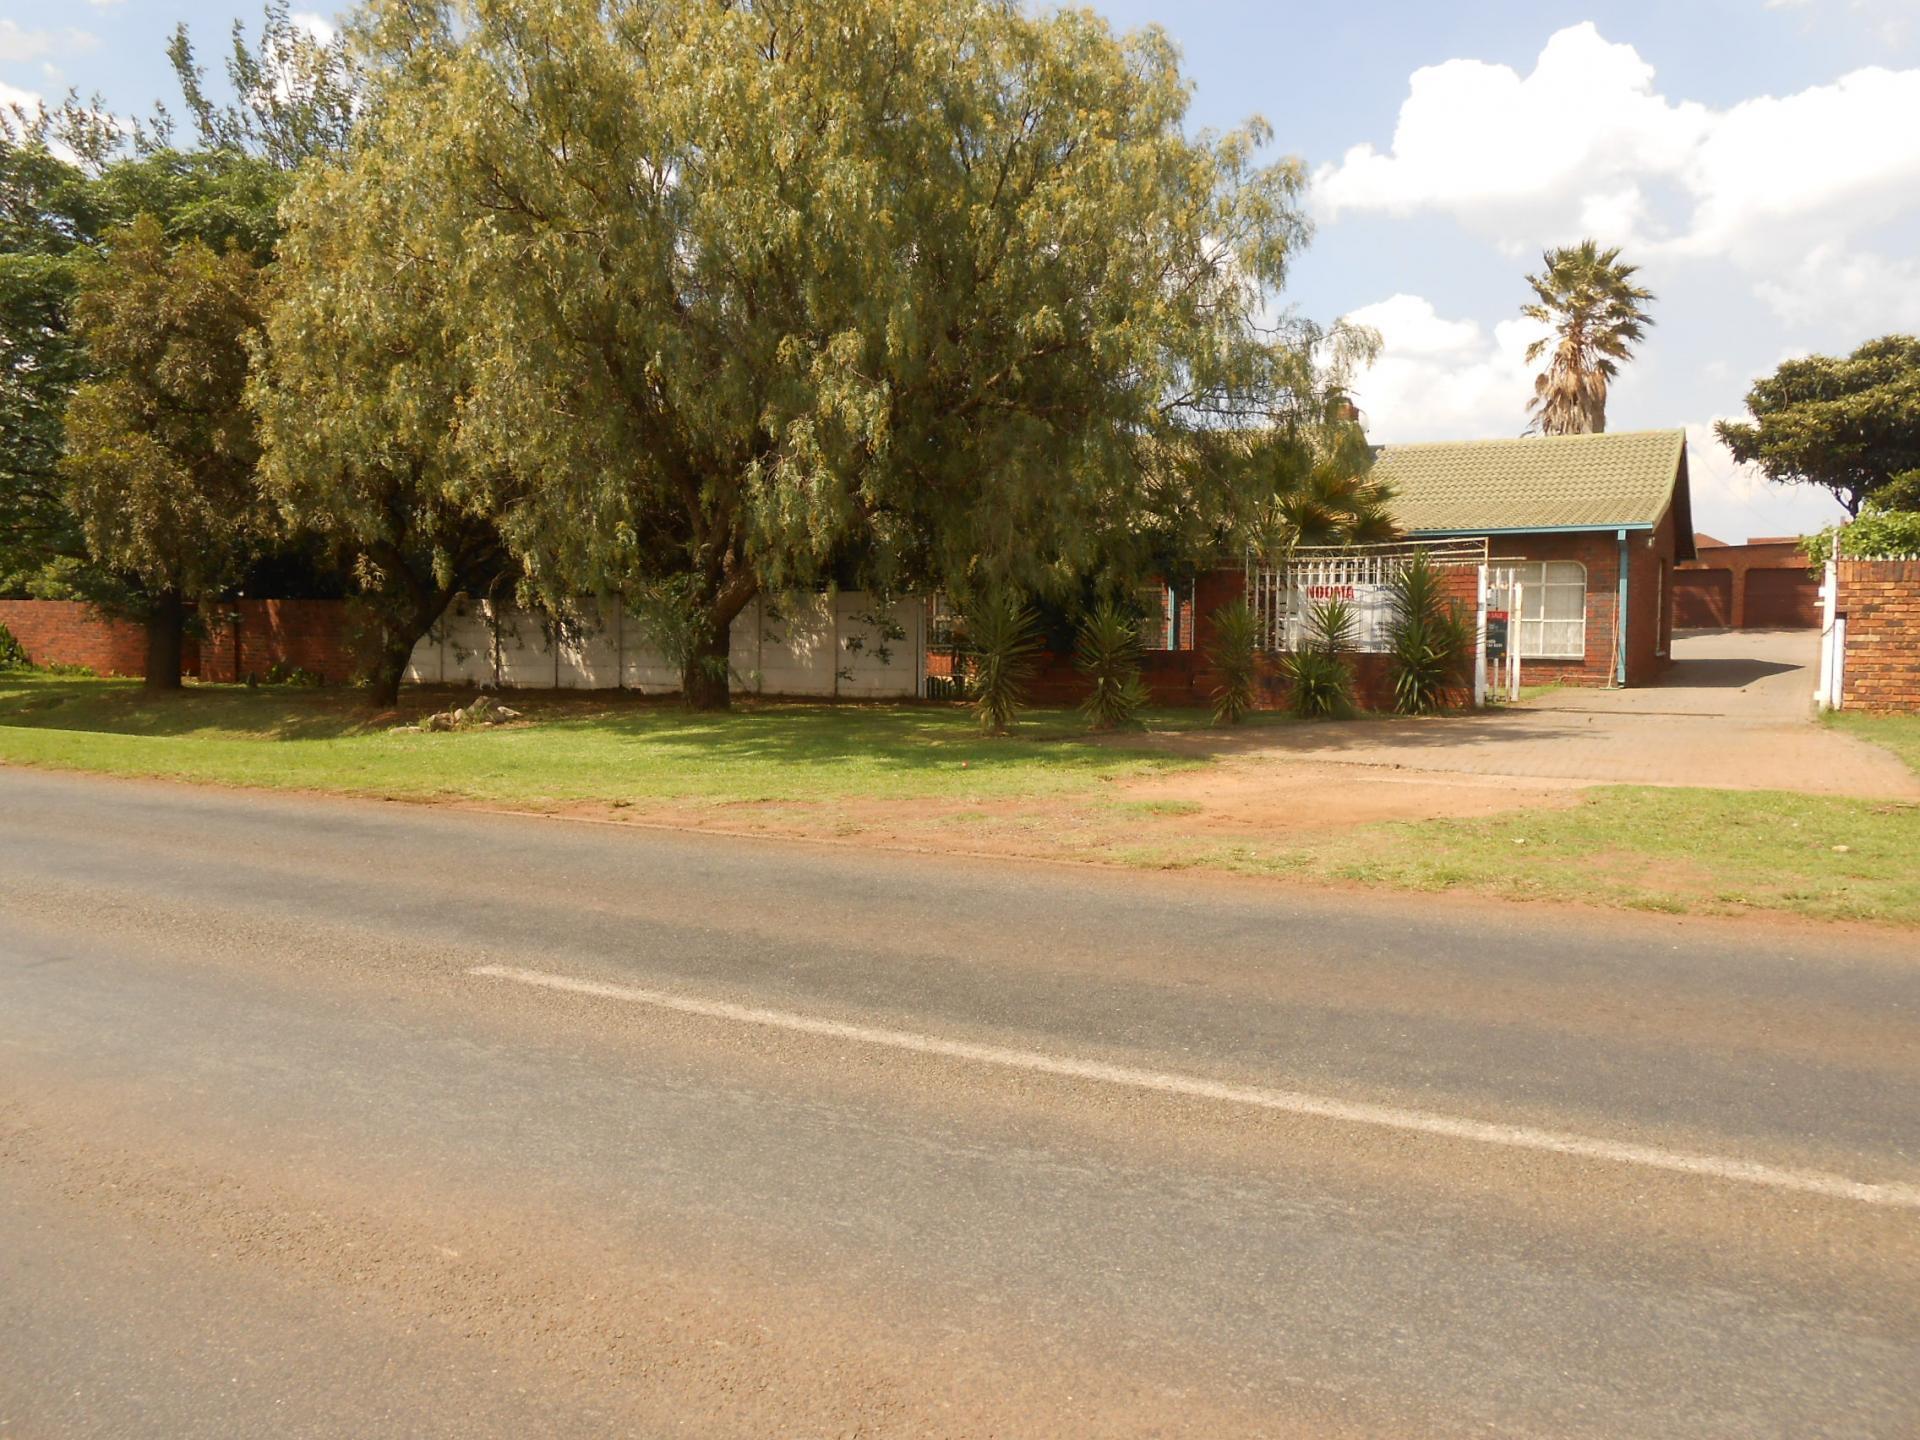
(1480,641)
(1833,648)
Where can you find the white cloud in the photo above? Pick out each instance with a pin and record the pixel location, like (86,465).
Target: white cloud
(1586,144)
(1827,161)
(318,26)
(19,46)
(1856,292)
(1415,328)
(1440,379)
(1574,139)
(11,95)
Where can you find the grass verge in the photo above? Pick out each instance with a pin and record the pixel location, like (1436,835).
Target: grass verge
(1898,733)
(582,748)
(1632,847)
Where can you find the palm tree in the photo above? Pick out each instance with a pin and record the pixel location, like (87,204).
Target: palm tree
(1598,315)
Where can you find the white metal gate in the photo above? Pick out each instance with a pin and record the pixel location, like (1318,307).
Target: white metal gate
(1282,595)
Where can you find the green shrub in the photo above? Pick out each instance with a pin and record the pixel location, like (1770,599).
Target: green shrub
(1108,654)
(1876,535)
(1322,683)
(1003,637)
(13,655)
(1430,640)
(1233,652)
(283,673)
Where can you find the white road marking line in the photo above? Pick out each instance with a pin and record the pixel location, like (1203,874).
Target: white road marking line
(1291,1102)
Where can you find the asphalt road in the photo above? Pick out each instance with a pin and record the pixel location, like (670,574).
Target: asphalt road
(329,1118)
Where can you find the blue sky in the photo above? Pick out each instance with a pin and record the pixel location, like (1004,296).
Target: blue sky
(1759,158)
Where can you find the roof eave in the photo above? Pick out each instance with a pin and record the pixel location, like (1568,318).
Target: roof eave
(1600,525)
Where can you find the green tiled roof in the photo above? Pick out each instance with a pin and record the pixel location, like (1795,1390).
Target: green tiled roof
(1560,482)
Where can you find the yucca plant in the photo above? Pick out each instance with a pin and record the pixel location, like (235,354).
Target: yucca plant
(1108,654)
(1322,683)
(1232,653)
(1003,637)
(1429,640)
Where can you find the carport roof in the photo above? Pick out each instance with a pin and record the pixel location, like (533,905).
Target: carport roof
(1560,482)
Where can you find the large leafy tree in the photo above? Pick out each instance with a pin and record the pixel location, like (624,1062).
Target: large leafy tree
(159,445)
(70,175)
(293,92)
(47,214)
(1849,424)
(359,387)
(54,217)
(1598,314)
(901,290)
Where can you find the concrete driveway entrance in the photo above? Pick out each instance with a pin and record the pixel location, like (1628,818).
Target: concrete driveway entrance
(1735,712)
(1762,675)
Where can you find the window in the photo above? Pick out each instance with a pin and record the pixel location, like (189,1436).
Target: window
(1156,629)
(1552,623)
(1166,617)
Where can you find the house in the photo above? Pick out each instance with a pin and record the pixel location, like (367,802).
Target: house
(1765,584)
(1591,526)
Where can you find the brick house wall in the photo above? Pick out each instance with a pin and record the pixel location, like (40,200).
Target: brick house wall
(1650,562)
(1881,600)
(1599,553)
(1650,571)
(72,632)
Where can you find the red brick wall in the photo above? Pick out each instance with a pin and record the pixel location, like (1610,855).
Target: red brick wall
(249,637)
(71,632)
(1186,678)
(1881,600)
(243,637)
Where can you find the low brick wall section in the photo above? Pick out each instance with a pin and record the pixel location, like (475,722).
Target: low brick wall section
(1881,600)
(1186,678)
(72,632)
(250,637)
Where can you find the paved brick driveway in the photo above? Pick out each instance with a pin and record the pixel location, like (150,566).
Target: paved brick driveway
(1735,712)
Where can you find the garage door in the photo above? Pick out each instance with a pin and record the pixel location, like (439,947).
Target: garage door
(1702,599)
(1782,600)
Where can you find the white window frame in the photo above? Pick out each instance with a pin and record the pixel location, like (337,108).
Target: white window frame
(1530,627)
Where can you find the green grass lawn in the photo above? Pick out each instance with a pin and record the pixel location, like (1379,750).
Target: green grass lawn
(579,748)
(1898,733)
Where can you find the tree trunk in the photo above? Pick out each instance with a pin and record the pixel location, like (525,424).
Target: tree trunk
(388,669)
(401,621)
(166,640)
(705,679)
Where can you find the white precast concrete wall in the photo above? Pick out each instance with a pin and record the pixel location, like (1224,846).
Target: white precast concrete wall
(844,646)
